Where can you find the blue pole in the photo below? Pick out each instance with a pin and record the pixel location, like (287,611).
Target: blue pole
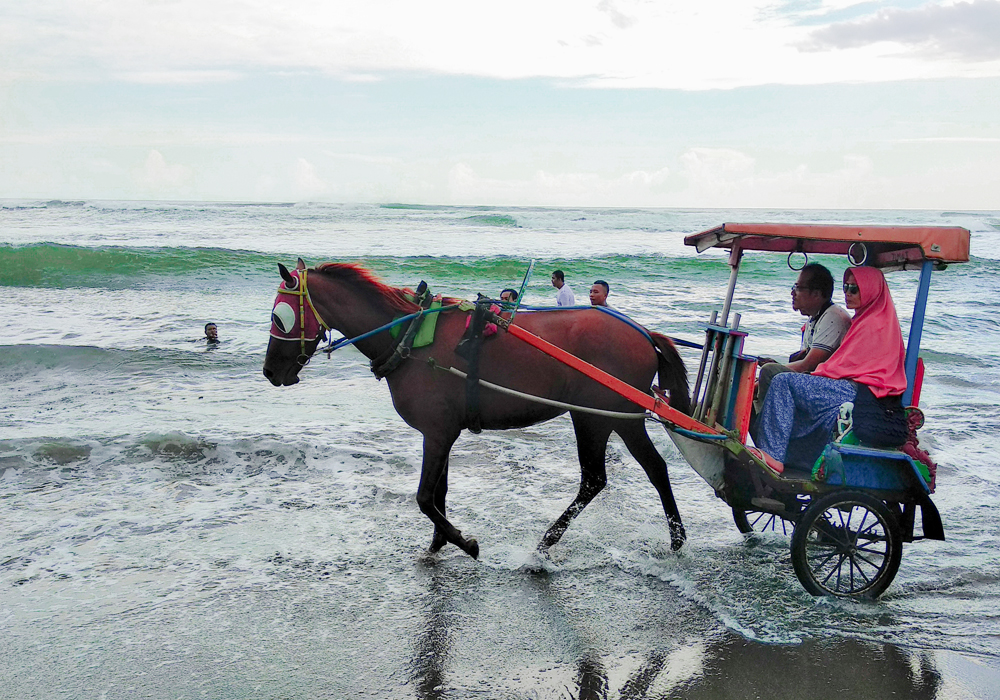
(917,328)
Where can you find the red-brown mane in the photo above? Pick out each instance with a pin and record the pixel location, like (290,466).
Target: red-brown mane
(351,273)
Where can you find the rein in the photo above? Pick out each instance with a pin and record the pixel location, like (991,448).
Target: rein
(344,341)
(341,342)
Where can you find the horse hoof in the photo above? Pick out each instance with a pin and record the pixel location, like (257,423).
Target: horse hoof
(472,549)
(437,542)
(537,563)
(677,537)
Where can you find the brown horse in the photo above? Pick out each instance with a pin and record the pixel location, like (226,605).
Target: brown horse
(351,300)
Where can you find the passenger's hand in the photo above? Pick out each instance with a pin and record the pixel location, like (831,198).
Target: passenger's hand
(765,360)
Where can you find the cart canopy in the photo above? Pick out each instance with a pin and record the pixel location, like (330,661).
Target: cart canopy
(886,247)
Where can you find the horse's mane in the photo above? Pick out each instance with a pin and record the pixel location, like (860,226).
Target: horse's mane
(351,273)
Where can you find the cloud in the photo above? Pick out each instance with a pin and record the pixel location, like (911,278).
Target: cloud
(618,18)
(465,186)
(705,178)
(308,183)
(160,178)
(730,178)
(719,171)
(611,43)
(966,30)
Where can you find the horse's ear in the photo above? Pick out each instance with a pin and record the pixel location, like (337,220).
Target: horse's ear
(290,281)
(300,265)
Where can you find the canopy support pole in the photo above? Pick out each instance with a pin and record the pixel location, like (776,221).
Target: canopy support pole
(916,329)
(735,255)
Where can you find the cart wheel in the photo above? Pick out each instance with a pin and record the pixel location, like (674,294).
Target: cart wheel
(751,521)
(847,544)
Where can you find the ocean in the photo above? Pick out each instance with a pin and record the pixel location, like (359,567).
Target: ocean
(173,526)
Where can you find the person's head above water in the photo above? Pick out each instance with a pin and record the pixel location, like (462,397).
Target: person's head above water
(211,332)
(508,295)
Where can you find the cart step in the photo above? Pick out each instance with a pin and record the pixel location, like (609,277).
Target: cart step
(767,504)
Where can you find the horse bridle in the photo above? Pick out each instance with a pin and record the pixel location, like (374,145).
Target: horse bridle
(301,290)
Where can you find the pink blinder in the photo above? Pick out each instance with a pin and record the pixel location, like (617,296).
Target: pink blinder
(293,311)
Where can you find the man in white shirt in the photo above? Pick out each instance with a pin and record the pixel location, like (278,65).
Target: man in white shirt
(565,296)
(812,296)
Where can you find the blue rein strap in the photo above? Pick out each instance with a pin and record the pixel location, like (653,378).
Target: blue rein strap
(617,314)
(350,341)
(620,316)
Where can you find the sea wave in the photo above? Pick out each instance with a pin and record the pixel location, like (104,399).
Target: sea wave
(63,266)
(20,360)
(55,265)
(58,265)
(492,220)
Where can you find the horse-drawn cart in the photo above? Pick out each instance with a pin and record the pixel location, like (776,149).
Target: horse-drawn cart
(849,513)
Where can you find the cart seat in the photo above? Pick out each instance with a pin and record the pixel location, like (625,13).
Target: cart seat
(869,468)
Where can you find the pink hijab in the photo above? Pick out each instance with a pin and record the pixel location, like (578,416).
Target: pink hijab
(872,352)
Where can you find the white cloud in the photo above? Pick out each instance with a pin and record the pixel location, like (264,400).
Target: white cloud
(718,171)
(729,178)
(307,182)
(707,177)
(625,43)
(159,178)
(968,30)
(465,186)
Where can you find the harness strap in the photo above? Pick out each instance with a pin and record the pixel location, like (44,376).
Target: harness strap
(468,349)
(391,359)
(538,399)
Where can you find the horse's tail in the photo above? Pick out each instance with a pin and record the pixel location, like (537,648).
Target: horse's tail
(673,375)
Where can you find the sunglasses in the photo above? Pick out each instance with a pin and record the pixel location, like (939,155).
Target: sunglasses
(800,288)
(851,289)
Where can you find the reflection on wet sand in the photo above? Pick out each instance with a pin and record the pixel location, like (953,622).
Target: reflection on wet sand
(592,679)
(737,668)
(430,649)
(580,665)
(734,667)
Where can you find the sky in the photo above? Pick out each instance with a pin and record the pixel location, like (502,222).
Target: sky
(631,103)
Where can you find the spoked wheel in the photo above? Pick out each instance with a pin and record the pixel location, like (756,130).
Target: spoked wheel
(751,521)
(847,544)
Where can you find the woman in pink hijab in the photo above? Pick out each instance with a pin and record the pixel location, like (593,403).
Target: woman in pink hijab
(801,410)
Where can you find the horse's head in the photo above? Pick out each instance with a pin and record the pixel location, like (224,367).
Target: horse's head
(296,328)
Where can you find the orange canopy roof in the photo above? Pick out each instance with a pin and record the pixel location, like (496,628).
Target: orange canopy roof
(888,247)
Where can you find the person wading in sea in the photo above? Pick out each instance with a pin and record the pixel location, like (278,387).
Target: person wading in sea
(211,333)
(565,296)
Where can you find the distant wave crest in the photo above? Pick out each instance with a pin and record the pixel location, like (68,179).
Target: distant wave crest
(60,266)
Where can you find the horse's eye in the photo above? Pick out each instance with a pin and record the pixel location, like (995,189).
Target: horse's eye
(283,317)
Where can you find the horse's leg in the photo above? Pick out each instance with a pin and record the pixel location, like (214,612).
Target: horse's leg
(641,447)
(440,491)
(435,465)
(591,445)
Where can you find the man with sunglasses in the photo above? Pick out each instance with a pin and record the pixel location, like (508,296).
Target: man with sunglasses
(812,296)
